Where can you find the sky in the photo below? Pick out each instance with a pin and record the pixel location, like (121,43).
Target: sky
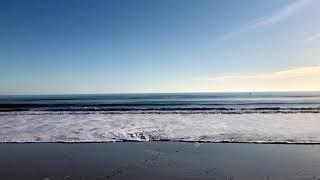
(147,46)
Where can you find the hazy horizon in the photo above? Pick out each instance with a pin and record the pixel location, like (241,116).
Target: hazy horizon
(133,93)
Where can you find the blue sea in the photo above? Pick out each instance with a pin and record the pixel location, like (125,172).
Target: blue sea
(264,117)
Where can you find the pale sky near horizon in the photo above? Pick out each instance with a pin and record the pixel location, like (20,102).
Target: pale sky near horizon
(82,46)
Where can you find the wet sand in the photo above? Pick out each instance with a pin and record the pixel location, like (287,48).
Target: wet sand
(159,160)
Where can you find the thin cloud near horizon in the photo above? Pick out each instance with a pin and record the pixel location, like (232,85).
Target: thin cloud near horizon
(283,74)
(301,78)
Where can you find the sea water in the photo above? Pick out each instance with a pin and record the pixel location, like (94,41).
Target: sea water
(264,117)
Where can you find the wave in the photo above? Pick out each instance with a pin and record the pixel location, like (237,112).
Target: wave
(97,127)
(166,140)
(165,110)
(145,104)
(189,109)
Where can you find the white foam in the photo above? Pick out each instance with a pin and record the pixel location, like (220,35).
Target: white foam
(96,127)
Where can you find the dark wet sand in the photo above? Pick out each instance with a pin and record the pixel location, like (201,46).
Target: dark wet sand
(159,160)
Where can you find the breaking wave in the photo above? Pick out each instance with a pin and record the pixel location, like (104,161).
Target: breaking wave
(97,127)
(200,117)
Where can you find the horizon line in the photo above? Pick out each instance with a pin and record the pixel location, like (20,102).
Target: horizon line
(192,92)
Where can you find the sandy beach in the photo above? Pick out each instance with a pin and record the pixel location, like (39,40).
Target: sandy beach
(158,160)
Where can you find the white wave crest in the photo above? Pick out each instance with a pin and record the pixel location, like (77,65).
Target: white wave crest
(96,127)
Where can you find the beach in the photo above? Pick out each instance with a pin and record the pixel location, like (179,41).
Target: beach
(214,136)
(158,160)
(160,90)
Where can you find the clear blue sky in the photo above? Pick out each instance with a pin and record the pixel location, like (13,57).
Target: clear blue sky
(104,46)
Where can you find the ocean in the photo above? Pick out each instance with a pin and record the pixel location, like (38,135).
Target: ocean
(264,117)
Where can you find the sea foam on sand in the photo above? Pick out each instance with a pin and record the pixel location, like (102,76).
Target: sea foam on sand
(98,127)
